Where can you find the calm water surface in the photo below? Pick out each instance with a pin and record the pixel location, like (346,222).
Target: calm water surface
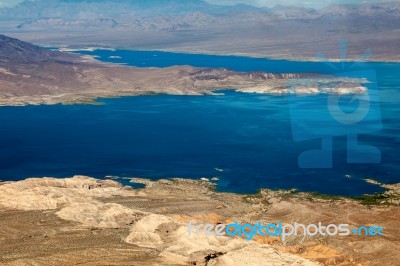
(245,139)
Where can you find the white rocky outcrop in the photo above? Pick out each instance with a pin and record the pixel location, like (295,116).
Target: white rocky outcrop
(53,193)
(179,248)
(83,200)
(76,198)
(100,215)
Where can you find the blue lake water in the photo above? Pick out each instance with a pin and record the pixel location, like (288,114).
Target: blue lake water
(248,136)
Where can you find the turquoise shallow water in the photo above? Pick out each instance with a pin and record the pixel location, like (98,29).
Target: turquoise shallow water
(248,136)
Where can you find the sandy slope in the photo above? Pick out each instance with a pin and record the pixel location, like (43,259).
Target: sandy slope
(100,222)
(81,199)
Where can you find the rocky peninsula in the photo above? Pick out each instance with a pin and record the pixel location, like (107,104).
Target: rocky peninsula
(33,75)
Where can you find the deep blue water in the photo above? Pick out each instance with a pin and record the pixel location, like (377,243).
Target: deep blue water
(249,136)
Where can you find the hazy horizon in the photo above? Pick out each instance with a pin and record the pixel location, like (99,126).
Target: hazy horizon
(257,3)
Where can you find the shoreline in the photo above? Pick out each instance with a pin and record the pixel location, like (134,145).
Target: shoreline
(204,52)
(277,58)
(391,192)
(77,99)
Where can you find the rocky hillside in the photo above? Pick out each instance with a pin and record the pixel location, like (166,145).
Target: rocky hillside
(15,51)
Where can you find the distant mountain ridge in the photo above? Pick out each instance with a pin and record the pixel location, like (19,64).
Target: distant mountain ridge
(105,8)
(172,15)
(197,26)
(75,9)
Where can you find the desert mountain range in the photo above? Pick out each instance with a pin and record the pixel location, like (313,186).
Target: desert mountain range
(196,26)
